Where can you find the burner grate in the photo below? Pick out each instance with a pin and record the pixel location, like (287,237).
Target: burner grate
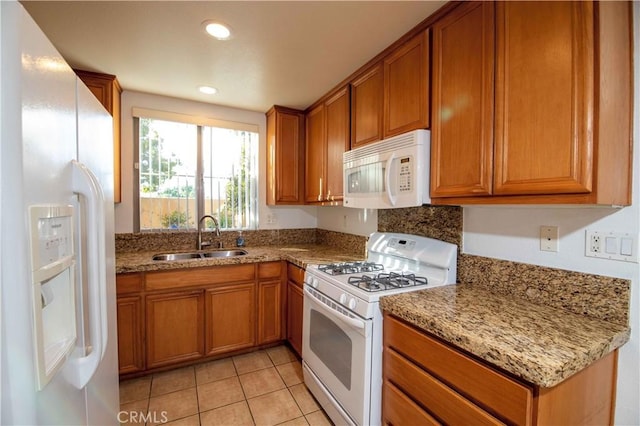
(386,281)
(350,268)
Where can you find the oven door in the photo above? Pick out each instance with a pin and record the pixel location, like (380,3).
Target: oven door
(336,346)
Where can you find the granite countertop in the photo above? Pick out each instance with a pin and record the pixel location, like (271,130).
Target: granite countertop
(540,344)
(301,255)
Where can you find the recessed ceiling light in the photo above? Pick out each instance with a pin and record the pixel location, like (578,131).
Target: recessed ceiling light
(217,30)
(208,90)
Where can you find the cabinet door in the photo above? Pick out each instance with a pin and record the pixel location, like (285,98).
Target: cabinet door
(337,142)
(175,329)
(406,87)
(315,155)
(106,89)
(295,300)
(130,334)
(269,311)
(544,98)
(285,156)
(367,95)
(462,127)
(230,318)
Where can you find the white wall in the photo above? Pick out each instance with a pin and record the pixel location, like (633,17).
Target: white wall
(348,220)
(282,217)
(513,234)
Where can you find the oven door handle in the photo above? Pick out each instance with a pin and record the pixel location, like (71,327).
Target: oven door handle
(353,322)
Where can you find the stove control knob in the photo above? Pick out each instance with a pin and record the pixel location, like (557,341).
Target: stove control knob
(352,303)
(314,282)
(343,298)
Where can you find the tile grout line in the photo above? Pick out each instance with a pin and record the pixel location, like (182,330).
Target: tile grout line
(246,401)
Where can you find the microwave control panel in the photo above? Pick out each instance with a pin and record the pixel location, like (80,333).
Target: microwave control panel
(405,169)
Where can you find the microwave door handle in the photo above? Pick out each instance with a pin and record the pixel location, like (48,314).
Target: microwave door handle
(387,180)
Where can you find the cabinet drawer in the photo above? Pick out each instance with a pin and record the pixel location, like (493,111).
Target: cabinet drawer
(295,274)
(398,409)
(485,386)
(200,276)
(442,401)
(269,270)
(128,283)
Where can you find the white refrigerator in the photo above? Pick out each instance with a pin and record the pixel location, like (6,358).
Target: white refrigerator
(58,346)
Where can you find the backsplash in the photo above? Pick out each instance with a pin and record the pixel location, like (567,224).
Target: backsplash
(595,296)
(355,244)
(186,240)
(439,222)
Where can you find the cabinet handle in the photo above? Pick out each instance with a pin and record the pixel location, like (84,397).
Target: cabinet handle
(320,190)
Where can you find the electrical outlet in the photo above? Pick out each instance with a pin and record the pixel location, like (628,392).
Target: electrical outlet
(271,219)
(595,242)
(612,245)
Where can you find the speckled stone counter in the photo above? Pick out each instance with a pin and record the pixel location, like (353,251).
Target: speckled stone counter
(300,255)
(540,344)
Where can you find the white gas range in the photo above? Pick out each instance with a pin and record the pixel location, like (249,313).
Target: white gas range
(342,321)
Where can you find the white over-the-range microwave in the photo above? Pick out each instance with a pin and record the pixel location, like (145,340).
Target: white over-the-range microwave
(391,173)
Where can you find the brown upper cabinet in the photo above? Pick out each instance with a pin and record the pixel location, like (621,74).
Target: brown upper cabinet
(535,120)
(367,106)
(392,96)
(106,88)
(406,87)
(285,156)
(327,138)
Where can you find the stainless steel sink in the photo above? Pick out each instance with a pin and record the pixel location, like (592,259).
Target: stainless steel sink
(200,255)
(225,253)
(177,256)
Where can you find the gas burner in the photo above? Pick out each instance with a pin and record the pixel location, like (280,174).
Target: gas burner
(394,279)
(349,268)
(366,282)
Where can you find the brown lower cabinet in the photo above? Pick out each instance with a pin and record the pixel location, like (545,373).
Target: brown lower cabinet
(231,318)
(179,316)
(295,300)
(130,337)
(130,312)
(175,326)
(427,381)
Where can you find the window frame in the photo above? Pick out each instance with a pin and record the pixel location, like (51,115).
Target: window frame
(201,123)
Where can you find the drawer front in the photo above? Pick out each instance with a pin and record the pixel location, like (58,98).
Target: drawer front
(295,274)
(200,276)
(399,410)
(269,270)
(128,283)
(485,386)
(441,401)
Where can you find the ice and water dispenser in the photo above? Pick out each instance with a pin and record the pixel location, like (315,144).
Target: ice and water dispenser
(53,281)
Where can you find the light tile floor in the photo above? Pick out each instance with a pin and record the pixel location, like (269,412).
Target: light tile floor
(259,388)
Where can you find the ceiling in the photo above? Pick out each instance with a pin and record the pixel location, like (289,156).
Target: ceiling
(287,53)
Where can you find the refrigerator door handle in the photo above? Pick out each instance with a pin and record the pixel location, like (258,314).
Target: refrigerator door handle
(80,370)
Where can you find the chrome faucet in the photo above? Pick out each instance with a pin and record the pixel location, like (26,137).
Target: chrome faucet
(201,244)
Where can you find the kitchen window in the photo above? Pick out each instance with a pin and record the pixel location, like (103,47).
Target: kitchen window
(189,168)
